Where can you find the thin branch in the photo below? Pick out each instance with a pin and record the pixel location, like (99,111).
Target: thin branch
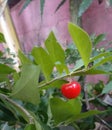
(61,77)
(104,122)
(93,98)
(88,107)
(86,97)
(28,115)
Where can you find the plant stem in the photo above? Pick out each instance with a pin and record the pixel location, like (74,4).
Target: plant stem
(88,108)
(104,122)
(86,97)
(93,98)
(64,76)
(23,110)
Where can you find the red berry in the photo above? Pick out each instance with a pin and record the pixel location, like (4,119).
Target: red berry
(71,90)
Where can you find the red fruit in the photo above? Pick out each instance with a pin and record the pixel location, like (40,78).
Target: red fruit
(71,90)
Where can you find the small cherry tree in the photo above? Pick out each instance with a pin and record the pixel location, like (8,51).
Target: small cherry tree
(32,100)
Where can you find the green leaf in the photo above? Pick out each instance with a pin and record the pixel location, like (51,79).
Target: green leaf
(78,65)
(30,127)
(90,71)
(42,58)
(60,67)
(26,87)
(2,39)
(42,3)
(64,110)
(17,109)
(94,72)
(3,77)
(85,115)
(23,58)
(4,69)
(1,54)
(104,60)
(82,42)
(38,125)
(84,6)
(107,88)
(101,55)
(5,112)
(99,38)
(56,52)
(27,2)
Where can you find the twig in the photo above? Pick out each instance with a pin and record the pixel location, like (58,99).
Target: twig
(86,97)
(88,107)
(104,122)
(93,98)
(61,77)
(26,113)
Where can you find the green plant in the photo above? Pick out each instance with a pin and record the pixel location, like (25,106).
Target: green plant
(32,104)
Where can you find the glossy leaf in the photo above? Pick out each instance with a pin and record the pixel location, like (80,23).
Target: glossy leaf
(42,58)
(4,69)
(84,6)
(82,42)
(55,51)
(2,39)
(23,58)
(64,110)
(26,87)
(107,88)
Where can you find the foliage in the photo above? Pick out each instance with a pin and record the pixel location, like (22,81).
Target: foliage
(31,103)
(83,6)
(2,39)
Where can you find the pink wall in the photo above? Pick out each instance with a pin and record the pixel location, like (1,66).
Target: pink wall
(32,30)
(98,19)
